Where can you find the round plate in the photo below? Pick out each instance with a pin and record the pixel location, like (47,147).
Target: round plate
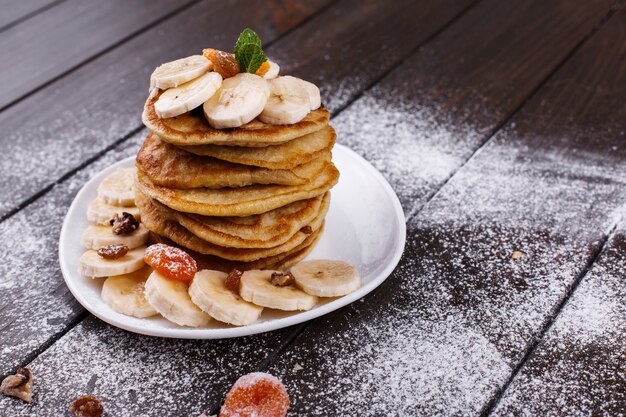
(365,226)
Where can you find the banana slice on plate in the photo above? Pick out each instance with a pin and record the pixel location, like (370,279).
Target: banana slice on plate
(326,278)
(273,70)
(239,100)
(256,287)
(172,74)
(96,236)
(95,266)
(288,102)
(188,96)
(171,298)
(118,188)
(125,294)
(101,212)
(209,293)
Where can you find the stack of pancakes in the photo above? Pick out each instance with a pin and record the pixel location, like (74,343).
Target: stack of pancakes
(252,197)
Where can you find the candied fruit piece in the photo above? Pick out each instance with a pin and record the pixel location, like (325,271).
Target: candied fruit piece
(171,262)
(87,406)
(210,54)
(232,280)
(265,66)
(115,251)
(257,394)
(226,64)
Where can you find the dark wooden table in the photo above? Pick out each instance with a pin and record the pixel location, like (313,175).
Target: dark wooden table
(500,124)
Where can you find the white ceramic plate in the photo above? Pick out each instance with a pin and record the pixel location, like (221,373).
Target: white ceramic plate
(364,226)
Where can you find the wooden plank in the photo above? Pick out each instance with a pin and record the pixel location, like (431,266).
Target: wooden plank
(30,237)
(62,118)
(19,339)
(578,368)
(51,43)
(488,260)
(13,11)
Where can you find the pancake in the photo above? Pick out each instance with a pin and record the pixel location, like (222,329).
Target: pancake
(244,201)
(170,166)
(158,219)
(258,231)
(191,128)
(279,262)
(287,155)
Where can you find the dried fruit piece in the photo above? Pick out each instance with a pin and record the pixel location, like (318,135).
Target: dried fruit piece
(225,64)
(232,280)
(257,394)
(113,251)
(87,406)
(210,54)
(19,385)
(171,262)
(124,224)
(265,66)
(282,279)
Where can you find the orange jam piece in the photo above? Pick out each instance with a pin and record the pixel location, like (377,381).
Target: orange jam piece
(210,54)
(171,262)
(256,395)
(265,66)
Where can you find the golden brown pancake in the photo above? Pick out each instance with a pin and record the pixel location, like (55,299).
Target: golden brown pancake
(244,201)
(170,166)
(279,262)
(159,219)
(287,155)
(191,128)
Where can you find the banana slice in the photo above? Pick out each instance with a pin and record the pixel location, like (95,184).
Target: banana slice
(172,74)
(256,287)
(170,297)
(273,70)
(100,212)
(209,293)
(118,188)
(315,99)
(288,102)
(95,266)
(95,237)
(125,294)
(239,100)
(188,96)
(326,278)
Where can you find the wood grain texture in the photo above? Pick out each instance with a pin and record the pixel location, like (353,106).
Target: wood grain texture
(488,260)
(13,11)
(51,43)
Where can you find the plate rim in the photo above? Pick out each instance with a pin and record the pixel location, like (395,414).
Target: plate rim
(239,331)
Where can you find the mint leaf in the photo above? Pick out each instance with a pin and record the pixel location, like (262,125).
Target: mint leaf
(249,51)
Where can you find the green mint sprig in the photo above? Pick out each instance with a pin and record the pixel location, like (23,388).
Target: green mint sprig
(249,51)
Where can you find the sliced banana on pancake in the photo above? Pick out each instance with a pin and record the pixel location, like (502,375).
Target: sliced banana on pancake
(256,287)
(273,70)
(95,266)
(315,98)
(171,299)
(209,292)
(239,100)
(118,188)
(125,294)
(188,96)
(326,278)
(172,74)
(288,102)
(101,212)
(96,236)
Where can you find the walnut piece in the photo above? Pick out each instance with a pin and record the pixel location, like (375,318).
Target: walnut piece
(87,406)
(113,251)
(124,224)
(282,279)
(19,385)
(232,280)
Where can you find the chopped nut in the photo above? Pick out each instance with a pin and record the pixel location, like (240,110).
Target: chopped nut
(307,230)
(297,367)
(516,255)
(124,224)
(19,385)
(113,251)
(232,280)
(87,406)
(282,279)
